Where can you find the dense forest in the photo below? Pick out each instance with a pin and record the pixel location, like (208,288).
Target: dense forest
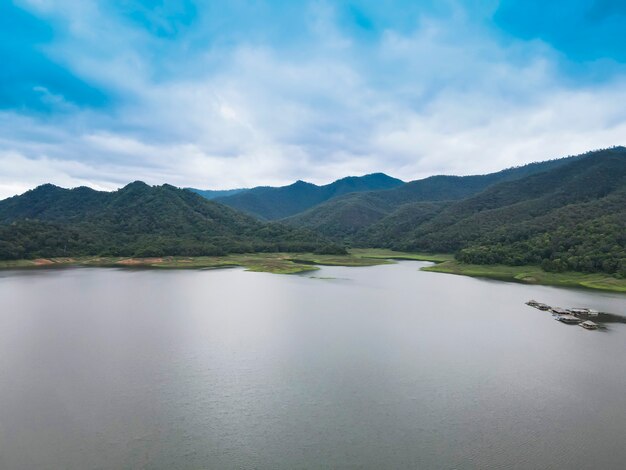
(568,218)
(137,220)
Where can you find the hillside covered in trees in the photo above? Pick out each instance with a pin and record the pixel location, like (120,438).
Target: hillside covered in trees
(137,220)
(568,218)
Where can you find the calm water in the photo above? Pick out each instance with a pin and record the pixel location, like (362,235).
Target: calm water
(381,367)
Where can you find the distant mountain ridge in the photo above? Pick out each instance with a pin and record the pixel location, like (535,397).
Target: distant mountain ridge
(272,203)
(137,220)
(211,194)
(347,215)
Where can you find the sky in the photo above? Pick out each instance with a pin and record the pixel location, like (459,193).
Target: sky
(226,94)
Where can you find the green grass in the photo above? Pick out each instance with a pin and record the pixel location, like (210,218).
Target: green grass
(531,275)
(379,253)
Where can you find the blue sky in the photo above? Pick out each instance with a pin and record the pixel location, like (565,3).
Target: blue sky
(217,94)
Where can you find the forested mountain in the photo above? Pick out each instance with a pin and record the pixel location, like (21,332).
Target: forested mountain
(275,203)
(569,218)
(343,217)
(137,220)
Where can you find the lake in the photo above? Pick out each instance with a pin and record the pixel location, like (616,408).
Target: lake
(377,367)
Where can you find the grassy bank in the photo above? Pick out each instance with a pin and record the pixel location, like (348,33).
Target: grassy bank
(379,253)
(531,275)
(278,263)
(292,263)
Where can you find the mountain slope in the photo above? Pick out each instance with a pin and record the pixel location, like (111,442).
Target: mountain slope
(348,215)
(137,220)
(276,203)
(571,217)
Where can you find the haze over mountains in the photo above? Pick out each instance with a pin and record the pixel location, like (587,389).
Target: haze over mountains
(567,213)
(211,194)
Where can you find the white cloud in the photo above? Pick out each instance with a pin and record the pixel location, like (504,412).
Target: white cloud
(18,173)
(448,97)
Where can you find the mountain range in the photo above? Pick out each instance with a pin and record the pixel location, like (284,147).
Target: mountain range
(271,203)
(345,216)
(137,220)
(564,214)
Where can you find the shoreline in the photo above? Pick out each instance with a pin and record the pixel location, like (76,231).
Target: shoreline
(532,275)
(276,263)
(294,263)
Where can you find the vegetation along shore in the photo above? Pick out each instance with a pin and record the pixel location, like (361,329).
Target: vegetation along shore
(294,263)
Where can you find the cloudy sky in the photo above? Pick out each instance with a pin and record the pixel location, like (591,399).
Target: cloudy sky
(220,94)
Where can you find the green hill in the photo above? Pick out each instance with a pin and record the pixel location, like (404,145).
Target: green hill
(137,220)
(276,203)
(568,218)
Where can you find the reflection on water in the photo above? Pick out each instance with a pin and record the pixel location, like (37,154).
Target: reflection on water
(379,367)
(610,318)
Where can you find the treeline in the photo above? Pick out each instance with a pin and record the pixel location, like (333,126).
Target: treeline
(34,239)
(595,246)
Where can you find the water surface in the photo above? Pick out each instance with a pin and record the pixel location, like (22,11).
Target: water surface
(378,367)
